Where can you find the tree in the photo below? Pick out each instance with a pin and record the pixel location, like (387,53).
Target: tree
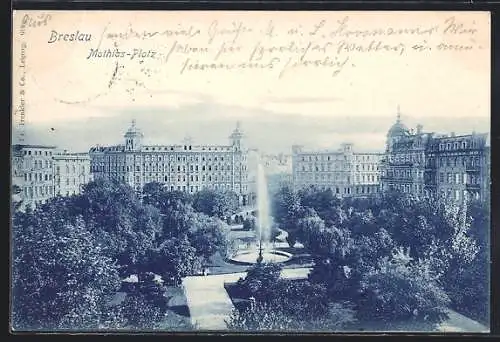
(260,280)
(468,283)
(262,317)
(157,195)
(324,203)
(146,305)
(174,259)
(308,229)
(216,202)
(208,236)
(287,210)
(61,278)
(399,290)
(123,226)
(369,249)
(302,308)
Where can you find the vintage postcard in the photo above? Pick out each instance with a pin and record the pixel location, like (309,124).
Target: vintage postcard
(250,171)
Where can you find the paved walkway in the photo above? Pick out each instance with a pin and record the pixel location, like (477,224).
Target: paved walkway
(460,323)
(208,301)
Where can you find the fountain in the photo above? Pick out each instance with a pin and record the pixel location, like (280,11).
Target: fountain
(263,251)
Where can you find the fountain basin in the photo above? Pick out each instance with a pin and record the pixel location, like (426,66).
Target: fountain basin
(250,258)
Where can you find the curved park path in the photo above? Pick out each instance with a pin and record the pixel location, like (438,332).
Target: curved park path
(208,301)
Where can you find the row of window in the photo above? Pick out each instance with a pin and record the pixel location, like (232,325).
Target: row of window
(172,158)
(323,176)
(187,148)
(366,178)
(195,188)
(38,191)
(458,194)
(73,169)
(407,157)
(457,178)
(407,174)
(38,164)
(37,177)
(164,168)
(454,161)
(183,178)
(368,167)
(72,181)
(464,144)
(325,167)
(324,158)
(407,188)
(37,153)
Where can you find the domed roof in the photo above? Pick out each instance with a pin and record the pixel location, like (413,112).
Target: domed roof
(133,130)
(398,129)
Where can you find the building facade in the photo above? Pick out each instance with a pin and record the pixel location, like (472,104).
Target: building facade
(278,170)
(71,171)
(181,167)
(37,171)
(33,173)
(404,165)
(346,172)
(426,164)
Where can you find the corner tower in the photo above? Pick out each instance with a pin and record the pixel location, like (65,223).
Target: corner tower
(236,138)
(396,131)
(133,138)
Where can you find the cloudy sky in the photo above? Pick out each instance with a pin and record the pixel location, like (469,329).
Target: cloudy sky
(68,102)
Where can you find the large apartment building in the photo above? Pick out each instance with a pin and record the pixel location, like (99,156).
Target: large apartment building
(41,172)
(452,166)
(181,167)
(345,171)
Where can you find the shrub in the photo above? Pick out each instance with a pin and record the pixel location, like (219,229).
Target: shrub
(269,317)
(260,280)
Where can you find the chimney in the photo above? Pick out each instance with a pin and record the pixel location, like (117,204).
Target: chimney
(452,134)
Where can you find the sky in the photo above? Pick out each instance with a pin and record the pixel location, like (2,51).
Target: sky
(68,102)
